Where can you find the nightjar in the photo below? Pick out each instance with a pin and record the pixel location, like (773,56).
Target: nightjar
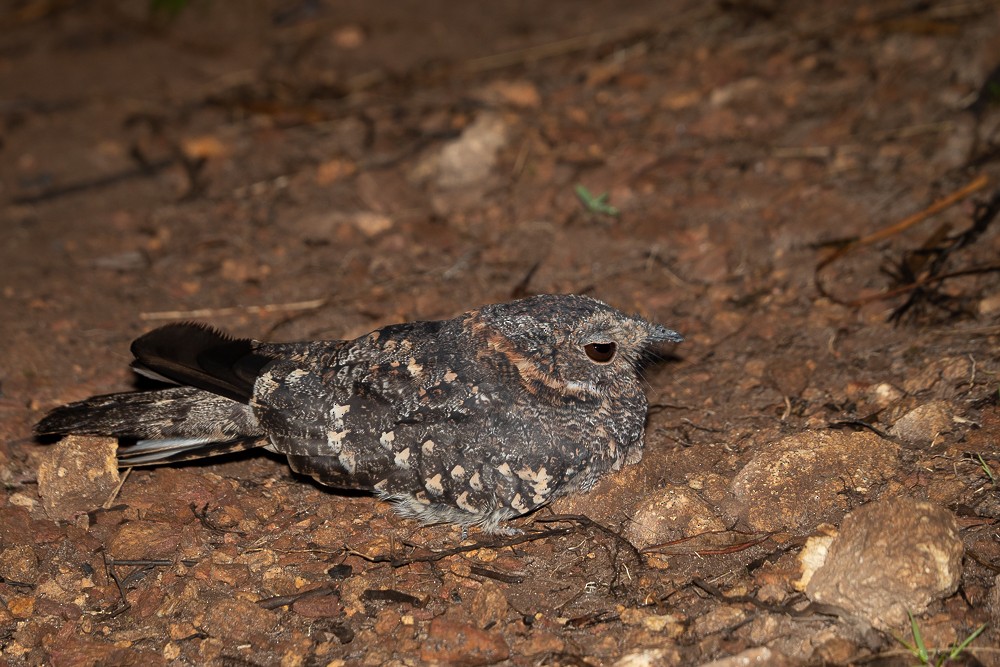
(472,421)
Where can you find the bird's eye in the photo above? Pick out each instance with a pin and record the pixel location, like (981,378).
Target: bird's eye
(600,353)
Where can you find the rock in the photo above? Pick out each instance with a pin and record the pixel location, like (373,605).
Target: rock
(650,657)
(489,605)
(666,624)
(239,621)
(318,606)
(461,172)
(922,426)
(370,223)
(141,540)
(751,657)
(670,513)
(79,474)
(453,643)
(19,563)
(890,557)
(799,481)
(814,553)
(520,93)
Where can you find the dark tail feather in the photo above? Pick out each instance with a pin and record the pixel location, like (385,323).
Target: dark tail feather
(200,356)
(176,424)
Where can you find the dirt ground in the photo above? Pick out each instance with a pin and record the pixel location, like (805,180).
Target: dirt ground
(307,169)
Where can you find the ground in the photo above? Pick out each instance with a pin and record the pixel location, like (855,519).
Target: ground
(308,169)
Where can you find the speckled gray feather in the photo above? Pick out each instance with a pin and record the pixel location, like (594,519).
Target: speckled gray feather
(472,421)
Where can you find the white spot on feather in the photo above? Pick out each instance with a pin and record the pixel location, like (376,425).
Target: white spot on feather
(336,439)
(414,368)
(427,448)
(402,459)
(434,485)
(463,502)
(458,472)
(348,461)
(475,482)
(387,438)
(518,503)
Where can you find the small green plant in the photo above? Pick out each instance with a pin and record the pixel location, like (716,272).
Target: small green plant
(987,469)
(936,657)
(595,203)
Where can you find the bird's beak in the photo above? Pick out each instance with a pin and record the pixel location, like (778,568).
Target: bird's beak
(661,334)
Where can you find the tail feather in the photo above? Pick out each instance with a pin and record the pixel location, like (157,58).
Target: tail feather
(179,423)
(173,450)
(200,356)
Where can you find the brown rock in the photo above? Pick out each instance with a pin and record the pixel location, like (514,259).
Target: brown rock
(651,657)
(19,563)
(78,475)
(669,513)
(520,93)
(85,652)
(760,655)
(489,605)
(318,606)
(798,482)
(923,425)
(452,643)
(239,621)
(890,557)
(145,539)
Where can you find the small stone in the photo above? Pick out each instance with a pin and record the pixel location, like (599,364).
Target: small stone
(137,540)
(318,606)
(890,557)
(760,655)
(348,37)
(650,657)
(370,223)
(239,621)
(923,426)
(453,643)
(489,605)
(718,619)
(669,513)
(21,606)
(79,474)
(814,553)
(19,563)
(520,93)
(469,160)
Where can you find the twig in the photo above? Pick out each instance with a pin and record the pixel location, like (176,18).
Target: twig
(142,171)
(285,600)
(844,246)
(847,245)
(499,576)
(753,541)
(201,313)
(121,482)
(587,522)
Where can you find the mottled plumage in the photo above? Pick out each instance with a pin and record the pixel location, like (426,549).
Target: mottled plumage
(473,420)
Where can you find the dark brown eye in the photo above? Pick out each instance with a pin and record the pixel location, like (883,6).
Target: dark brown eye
(601,353)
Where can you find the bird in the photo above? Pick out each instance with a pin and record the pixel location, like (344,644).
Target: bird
(472,421)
